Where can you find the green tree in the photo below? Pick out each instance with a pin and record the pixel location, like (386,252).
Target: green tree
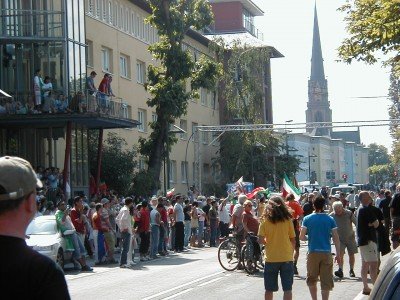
(374,29)
(167,82)
(394,114)
(118,161)
(378,155)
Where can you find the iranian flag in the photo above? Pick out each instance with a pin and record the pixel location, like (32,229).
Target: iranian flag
(289,188)
(170,192)
(254,192)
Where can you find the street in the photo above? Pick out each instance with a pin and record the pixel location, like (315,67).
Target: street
(195,274)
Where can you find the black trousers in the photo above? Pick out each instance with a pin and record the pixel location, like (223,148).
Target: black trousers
(179,236)
(144,243)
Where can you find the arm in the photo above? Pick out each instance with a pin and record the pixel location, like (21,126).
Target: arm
(293,241)
(336,241)
(303,233)
(374,224)
(244,221)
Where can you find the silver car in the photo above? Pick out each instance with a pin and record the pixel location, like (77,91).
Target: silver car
(43,236)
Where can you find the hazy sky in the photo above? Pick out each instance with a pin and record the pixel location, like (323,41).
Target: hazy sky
(288,26)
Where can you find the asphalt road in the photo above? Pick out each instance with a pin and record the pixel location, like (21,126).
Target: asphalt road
(195,274)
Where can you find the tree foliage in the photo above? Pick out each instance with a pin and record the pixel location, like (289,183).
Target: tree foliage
(117,163)
(394,114)
(167,81)
(374,29)
(378,155)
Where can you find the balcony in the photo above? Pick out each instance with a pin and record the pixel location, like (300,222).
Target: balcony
(91,110)
(20,23)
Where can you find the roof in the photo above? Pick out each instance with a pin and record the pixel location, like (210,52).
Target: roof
(246,40)
(348,136)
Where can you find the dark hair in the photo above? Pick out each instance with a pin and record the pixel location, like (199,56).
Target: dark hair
(98,206)
(77,199)
(160,205)
(276,210)
(128,200)
(195,203)
(319,203)
(144,203)
(290,197)
(387,193)
(93,73)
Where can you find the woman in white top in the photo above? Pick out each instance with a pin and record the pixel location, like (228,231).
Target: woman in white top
(37,88)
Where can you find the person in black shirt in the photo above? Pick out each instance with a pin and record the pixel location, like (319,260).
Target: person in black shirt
(308,207)
(206,209)
(384,206)
(395,216)
(367,222)
(24,273)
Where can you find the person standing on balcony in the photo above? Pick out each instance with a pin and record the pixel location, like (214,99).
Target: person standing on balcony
(104,91)
(91,90)
(37,88)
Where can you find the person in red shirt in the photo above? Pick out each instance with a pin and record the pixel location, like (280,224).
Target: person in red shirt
(78,218)
(297,213)
(144,231)
(162,248)
(98,234)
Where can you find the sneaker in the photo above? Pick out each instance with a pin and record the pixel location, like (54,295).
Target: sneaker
(352,273)
(132,263)
(126,266)
(86,268)
(339,273)
(295,271)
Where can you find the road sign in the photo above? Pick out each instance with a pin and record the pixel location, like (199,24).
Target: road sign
(344,176)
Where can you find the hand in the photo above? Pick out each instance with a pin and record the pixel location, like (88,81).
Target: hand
(338,259)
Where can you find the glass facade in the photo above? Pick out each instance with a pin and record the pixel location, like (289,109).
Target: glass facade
(42,34)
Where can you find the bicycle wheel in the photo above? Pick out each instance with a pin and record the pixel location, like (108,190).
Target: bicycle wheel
(228,255)
(249,263)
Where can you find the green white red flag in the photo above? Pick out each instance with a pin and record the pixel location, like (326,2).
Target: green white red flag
(289,188)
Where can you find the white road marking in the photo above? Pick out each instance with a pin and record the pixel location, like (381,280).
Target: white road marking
(181,286)
(211,281)
(176,295)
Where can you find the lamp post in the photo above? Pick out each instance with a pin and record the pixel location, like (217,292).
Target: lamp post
(309,166)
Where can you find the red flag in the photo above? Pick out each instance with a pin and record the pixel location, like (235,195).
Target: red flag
(254,192)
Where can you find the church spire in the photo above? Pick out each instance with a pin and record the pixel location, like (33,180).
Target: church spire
(317,63)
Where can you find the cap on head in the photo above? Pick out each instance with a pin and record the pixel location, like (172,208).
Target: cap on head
(105,201)
(242,198)
(17,177)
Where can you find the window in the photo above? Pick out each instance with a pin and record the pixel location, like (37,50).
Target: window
(142,120)
(140,72)
(194,133)
(172,171)
(106,55)
(89,53)
(115,14)
(141,163)
(203,96)
(154,117)
(110,12)
(183,125)
(104,5)
(121,17)
(126,21)
(91,7)
(184,169)
(124,66)
(98,8)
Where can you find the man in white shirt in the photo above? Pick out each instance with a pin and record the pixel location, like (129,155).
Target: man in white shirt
(124,223)
(179,227)
(224,218)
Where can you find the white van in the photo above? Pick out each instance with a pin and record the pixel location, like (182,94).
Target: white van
(345,188)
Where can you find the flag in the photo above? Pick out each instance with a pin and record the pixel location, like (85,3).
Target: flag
(239,185)
(289,188)
(256,191)
(170,192)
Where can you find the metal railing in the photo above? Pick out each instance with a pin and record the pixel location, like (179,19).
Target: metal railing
(31,23)
(80,102)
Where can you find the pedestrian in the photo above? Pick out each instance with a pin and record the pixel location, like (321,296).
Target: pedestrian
(186,211)
(320,227)
(395,216)
(345,219)
(162,243)
(109,235)
(297,215)
(308,207)
(384,205)
(24,273)
(179,226)
(98,235)
(144,231)
(155,222)
(194,224)
(276,231)
(202,217)
(224,218)
(213,222)
(367,223)
(124,223)
(37,88)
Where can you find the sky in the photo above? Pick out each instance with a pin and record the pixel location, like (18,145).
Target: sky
(288,26)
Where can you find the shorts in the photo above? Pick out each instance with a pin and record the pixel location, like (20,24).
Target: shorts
(369,253)
(349,244)
(320,265)
(271,271)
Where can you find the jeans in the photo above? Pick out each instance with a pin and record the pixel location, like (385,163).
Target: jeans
(79,248)
(155,236)
(126,240)
(187,233)
(161,241)
(213,233)
(201,231)
(144,243)
(172,238)
(100,250)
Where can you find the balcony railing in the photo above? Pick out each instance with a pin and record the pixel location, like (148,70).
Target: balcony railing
(31,23)
(80,103)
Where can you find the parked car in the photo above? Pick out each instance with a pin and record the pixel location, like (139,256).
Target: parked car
(387,285)
(43,236)
(345,188)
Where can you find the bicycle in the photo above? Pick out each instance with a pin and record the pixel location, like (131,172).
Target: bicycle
(231,253)
(252,259)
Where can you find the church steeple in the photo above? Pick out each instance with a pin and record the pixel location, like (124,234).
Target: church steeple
(317,63)
(318,107)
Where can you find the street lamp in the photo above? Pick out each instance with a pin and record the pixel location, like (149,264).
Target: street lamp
(309,166)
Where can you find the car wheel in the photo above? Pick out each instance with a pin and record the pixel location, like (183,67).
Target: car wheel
(60,258)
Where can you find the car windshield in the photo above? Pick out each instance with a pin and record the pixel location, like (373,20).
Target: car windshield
(40,226)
